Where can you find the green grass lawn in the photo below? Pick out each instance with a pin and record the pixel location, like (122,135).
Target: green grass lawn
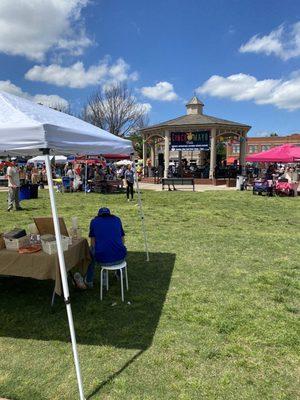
(213,315)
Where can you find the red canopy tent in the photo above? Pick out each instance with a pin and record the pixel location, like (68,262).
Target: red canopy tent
(287,153)
(231,160)
(116,156)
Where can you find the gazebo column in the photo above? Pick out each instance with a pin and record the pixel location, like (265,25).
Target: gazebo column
(153,154)
(145,168)
(201,157)
(167,153)
(180,163)
(213,152)
(144,152)
(243,154)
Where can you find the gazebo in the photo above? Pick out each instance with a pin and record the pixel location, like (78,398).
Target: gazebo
(194,131)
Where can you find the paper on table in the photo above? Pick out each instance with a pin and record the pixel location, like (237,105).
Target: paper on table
(74,222)
(32,229)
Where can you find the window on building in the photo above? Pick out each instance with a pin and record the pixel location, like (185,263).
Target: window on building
(265,147)
(235,149)
(253,148)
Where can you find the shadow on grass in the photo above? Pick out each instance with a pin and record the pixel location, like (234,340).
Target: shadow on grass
(114,375)
(26,313)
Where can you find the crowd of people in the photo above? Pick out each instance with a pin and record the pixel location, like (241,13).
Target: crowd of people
(83,176)
(274,171)
(99,177)
(185,168)
(223,170)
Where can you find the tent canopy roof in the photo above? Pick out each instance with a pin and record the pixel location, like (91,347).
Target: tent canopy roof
(286,153)
(26,127)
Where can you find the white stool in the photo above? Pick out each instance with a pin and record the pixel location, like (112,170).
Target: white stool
(117,267)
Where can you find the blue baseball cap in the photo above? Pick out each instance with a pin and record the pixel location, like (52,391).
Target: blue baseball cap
(104,211)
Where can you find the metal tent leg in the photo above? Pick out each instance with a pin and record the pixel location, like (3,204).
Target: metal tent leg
(53,297)
(63,274)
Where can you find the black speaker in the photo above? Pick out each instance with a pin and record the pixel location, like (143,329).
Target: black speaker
(160,159)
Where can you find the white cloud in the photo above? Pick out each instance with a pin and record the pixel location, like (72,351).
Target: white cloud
(9,87)
(47,100)
(77,76)
(283,42)
(163,91)
(146,107)
(52,100)
(32,27)
(282,93)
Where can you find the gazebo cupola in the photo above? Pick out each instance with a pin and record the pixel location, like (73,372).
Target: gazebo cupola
(194,106)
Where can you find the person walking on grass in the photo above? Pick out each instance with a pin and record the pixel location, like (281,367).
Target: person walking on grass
(13,177)
(129,178)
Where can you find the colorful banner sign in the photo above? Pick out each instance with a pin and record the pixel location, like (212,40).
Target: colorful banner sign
(188,141)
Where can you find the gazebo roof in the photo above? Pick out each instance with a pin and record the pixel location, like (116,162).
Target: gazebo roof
(196,119)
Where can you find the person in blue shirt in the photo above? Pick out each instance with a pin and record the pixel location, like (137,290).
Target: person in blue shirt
(107,242)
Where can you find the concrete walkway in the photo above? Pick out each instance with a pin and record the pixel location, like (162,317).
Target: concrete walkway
(157,187)
(198,188)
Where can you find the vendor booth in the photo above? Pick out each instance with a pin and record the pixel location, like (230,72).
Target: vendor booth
(274,183)
(28,129)
(287,153)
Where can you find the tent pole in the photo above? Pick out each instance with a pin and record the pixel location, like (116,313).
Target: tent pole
(141,212)
(85,176)
(63,274)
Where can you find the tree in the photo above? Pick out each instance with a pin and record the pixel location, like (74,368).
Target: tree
(221,150)
(273,134)
(59,106)
(115,110)
(136,137)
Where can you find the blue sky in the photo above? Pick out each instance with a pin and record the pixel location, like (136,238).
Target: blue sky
(241,57)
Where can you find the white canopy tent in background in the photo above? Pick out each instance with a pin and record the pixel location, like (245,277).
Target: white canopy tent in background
(41,159)
(123,162)
(27,128)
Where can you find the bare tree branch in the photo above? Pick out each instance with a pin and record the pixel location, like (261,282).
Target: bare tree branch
(115,110)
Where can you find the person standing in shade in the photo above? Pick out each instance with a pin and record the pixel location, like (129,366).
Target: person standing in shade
(13,177)
(129,178)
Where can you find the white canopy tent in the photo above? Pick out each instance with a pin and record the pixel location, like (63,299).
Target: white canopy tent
(41,159)
(27,128)
(123,162)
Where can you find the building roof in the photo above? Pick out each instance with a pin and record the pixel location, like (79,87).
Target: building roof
(195,119)
(292,138)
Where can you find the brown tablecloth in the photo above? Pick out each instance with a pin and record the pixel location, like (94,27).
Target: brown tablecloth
(44,266)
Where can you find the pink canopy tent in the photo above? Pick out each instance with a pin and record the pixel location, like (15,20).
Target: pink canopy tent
(287,153)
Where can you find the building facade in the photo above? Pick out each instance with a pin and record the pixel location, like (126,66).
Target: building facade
(259,144)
